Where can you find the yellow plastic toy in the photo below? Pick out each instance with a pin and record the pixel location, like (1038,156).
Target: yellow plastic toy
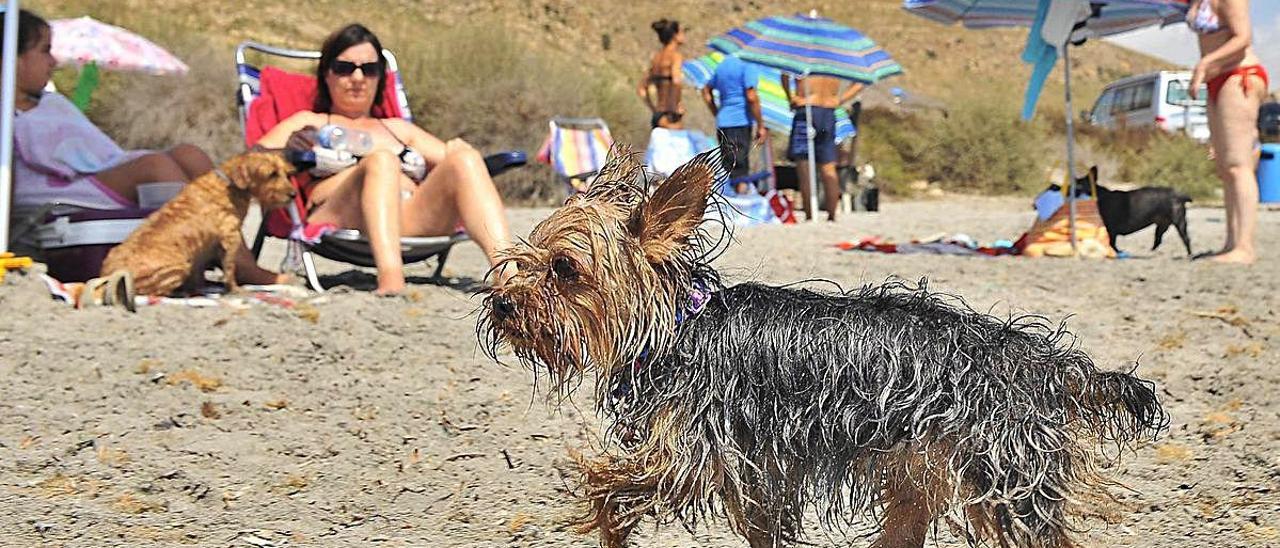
(10,262)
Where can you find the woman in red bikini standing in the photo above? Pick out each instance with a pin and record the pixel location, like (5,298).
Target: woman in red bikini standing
(1237,85)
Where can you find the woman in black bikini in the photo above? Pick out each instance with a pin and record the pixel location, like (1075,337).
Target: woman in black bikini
(663,75)
(387,194)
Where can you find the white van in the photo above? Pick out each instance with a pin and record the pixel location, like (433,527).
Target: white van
(1157,99)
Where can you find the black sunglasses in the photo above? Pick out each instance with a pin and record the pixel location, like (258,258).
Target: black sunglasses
(347,68)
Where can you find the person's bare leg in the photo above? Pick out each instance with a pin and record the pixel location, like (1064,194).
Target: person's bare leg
(802,181)
(1218,140)
(831,188)
(343,200)
(249,273)
(380,208)
(1238,117)
(191,159)
(460,189)
(151,168)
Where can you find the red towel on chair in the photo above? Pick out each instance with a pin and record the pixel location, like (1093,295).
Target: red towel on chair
(282,94)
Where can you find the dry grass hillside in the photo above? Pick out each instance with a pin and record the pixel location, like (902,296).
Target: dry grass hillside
(494,72)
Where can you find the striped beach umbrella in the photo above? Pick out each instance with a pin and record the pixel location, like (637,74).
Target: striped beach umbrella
(1113,16)
(773,102)
(808,44)
(1054,25)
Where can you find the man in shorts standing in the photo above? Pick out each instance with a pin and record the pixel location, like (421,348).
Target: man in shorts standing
(735,81)
(823,94)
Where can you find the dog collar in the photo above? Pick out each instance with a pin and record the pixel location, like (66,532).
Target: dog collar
(699,296)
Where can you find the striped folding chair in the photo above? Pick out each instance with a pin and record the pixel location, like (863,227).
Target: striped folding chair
(576,148)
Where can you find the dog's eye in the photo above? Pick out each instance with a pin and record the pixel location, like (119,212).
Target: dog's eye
(564,269)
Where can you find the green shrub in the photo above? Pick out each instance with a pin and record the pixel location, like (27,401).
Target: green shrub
(892,142)
(478,82)
(158,112)
(984,148)
(1157,158)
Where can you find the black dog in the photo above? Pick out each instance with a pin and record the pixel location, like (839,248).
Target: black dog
(1126,212)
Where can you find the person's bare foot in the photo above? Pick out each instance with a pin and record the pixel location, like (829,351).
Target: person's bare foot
(390,284)
(1235,256)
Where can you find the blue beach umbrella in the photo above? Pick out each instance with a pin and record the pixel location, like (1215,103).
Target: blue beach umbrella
(808,45)
(1054,24)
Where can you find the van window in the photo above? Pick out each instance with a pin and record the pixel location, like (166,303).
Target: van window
(1142,96)
(1102,109)
(1177,94)
(1123,100)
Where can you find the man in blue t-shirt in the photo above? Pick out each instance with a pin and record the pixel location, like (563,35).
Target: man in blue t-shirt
(735,82)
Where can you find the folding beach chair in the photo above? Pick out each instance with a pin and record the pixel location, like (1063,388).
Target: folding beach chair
(576,148)
(267,96)
(70,239)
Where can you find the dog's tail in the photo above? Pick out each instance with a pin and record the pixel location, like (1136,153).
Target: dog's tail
(1118,407)
(1041,477)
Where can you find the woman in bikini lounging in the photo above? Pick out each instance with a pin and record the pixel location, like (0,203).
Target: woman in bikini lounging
(410,184)
(1237,85)
(664,77)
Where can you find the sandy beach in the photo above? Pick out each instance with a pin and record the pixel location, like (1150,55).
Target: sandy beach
(352,420)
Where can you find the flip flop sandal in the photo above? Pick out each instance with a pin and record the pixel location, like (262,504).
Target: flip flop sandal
(120,290)
(93,293)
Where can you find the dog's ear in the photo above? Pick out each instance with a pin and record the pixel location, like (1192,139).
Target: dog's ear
(240,170)
(667,222)
(252,167)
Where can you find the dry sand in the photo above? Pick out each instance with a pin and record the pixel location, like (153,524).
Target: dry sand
(359,421)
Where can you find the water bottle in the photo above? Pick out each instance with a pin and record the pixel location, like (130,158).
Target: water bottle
(342,139)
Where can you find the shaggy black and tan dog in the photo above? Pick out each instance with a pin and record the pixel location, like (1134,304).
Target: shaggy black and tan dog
(760,403)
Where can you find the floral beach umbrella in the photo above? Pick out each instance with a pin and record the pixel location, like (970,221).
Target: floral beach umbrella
(92,44)
(86,40)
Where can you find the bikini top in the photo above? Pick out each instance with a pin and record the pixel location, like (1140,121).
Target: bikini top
(1203,20)
(413,164)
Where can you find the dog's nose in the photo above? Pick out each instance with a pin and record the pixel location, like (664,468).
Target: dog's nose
(503,306)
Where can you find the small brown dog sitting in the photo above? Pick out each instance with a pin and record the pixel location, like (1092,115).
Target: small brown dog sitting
(200,224)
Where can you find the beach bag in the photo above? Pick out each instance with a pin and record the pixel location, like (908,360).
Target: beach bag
(1051,237)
